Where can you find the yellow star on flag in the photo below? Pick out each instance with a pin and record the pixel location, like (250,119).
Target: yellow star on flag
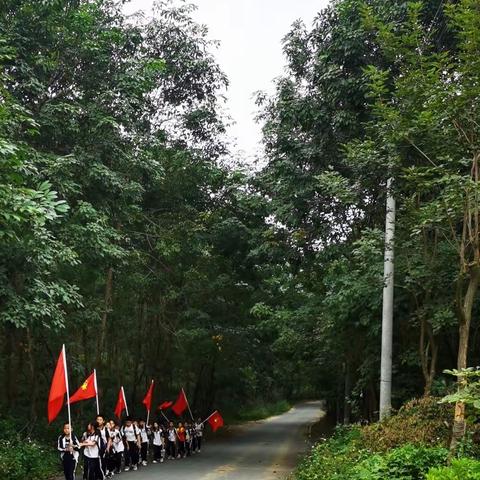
(85,385)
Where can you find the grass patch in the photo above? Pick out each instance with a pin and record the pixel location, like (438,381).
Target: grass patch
(258,412)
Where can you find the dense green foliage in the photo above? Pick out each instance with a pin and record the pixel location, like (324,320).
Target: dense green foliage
(126,233)
(22,457)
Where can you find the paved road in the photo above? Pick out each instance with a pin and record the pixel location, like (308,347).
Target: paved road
(265,450)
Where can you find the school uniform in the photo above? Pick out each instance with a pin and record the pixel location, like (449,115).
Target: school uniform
(144,444)
(130,435)
(92,469)
(188,441)
(69,459)
(198,437)
(118,448)
(104,454)
(171,440)
(158,445)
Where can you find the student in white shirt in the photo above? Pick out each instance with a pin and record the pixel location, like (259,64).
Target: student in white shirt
(92,442)
(131,436)
(171,441)
(158,443)
(68,445)
(199,434)
(118,448)
(106,444)
(144,440)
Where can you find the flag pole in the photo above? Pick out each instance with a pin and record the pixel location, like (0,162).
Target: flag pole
(96,389)
(188,404)
(64,354)
(210,416)
(125,401)
(164,416)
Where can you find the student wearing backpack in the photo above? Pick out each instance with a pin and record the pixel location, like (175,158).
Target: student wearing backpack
(171,440)
(144,433)
(158,443)
(118,448)
(131,436)
(106,443)
(199,434)
(68,446)
(92,443)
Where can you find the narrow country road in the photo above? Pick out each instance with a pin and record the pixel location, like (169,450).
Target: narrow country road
(264,450)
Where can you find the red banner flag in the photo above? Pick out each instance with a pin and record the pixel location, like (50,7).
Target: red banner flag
(58,388)
(215,421)
(86,391)
(164,405)
(147,401)
(121,404)
(181,404)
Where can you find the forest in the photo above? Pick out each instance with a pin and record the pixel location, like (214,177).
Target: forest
(131,232)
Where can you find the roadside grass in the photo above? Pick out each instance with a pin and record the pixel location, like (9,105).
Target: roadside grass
(257,412)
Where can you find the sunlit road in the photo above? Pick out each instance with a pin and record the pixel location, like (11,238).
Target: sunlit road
(265,450)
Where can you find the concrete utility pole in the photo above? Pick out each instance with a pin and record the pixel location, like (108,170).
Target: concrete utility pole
(387,313)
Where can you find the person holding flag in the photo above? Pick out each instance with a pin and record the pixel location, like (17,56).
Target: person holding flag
(68,446)
(198,435)
(92,441)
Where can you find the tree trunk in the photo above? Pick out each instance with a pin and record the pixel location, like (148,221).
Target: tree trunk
(428,354)
(106,310)
(465,316)
(347,407)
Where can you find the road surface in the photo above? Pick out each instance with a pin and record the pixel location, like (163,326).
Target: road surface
(264,450)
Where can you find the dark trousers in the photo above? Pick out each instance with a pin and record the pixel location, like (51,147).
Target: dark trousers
(69,466)
(144,451)
(170,449)
(199,443)
(131,454)
(116,462)
(93,469)
(188,444)
(181,448)
(157,452)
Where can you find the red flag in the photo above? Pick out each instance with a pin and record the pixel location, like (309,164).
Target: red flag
(215,421)
(147,401)
(121,404)
(58,388)
(181,404)
(86,391)
(164,405)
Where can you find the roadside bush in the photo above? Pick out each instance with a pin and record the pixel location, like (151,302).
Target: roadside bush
(26,459)
(333,459)
(419,422)
(409,462)
(22,458)
(460,469)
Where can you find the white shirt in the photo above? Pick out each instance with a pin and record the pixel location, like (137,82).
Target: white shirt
(117,441)
(93,451)
(144,435)
(130,433)
(172,435)
(199,429)
(157,438)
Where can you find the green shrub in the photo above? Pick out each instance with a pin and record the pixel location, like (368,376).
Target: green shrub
(460,469)
(419,422)
(20,460)
(409,462)
(333,459)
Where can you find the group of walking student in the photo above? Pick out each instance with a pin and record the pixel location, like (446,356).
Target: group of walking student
(109,447)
